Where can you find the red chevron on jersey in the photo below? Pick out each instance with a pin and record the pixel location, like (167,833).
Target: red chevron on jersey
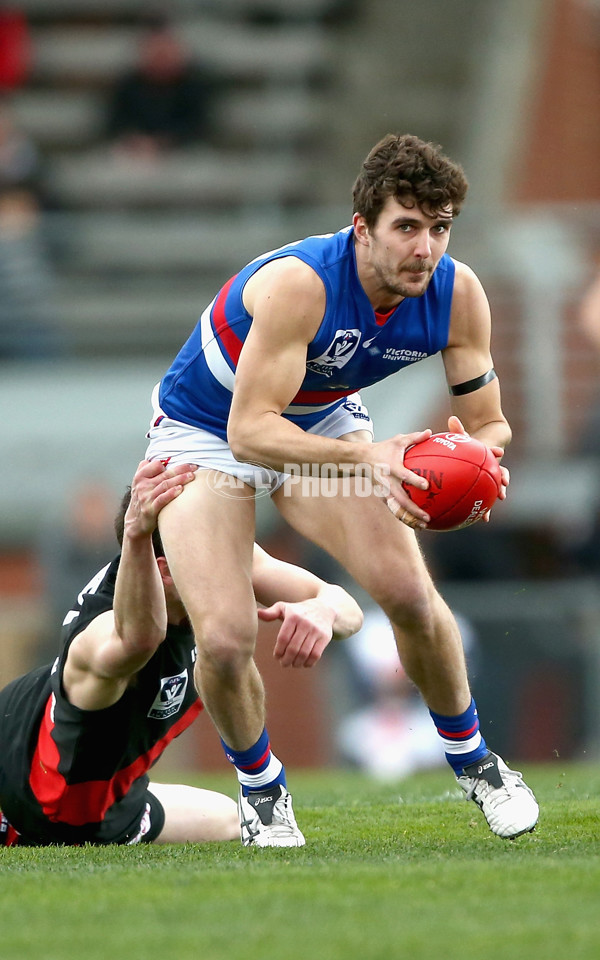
(81,803)
(320,396)
(229,339)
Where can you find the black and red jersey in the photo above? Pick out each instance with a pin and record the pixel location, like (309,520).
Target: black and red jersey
(75,776)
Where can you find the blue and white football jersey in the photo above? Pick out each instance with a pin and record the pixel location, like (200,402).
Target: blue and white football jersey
(353,348)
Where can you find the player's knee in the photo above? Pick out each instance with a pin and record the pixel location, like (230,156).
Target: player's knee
(219,818)
(410,606)
(226,646)
(229,824)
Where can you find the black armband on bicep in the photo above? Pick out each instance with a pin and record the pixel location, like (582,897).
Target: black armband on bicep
(459,389)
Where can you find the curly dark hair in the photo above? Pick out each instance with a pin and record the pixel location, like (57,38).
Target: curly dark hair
(119,525)
(407,168)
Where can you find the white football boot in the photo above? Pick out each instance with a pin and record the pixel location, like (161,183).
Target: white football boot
(267,819)
(506,801)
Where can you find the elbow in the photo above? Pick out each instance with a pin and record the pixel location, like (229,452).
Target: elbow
(351,621)
(141,646)
(249,432)
(140,640)
(506,433)
(239,442)
(241,450)
(356,620)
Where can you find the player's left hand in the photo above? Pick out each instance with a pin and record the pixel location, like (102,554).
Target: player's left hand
(455,426)
(306,629)
(153,486)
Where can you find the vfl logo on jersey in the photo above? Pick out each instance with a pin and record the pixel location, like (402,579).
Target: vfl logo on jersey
(170,696)
(337,354)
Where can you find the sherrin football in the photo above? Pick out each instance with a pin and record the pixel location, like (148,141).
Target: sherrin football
(464,479)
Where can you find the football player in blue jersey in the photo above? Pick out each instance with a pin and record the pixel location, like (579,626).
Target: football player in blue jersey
(266,387)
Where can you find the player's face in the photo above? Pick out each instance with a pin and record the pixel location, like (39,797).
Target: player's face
(404,247)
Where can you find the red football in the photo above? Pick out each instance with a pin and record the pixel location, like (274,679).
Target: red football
(464,479)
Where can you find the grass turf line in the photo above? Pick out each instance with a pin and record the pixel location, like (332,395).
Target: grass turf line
(389,870)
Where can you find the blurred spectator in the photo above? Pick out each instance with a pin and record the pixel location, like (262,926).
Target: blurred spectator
(589,324)
(532,551)
(70,553)
(164,102)
(20,162)
(15,48)
(391,734)
(589,313)
(332,12)
(27,314)
(586,551)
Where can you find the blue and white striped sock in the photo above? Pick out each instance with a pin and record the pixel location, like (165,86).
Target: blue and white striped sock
(463,743)
(257,768)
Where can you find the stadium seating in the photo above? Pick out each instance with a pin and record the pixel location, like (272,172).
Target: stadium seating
(272,62)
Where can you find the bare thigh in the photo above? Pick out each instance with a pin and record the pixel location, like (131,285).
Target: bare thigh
(383,556)
(208,540)
(194,815)
(360,532)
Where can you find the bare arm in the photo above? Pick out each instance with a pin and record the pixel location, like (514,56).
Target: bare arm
(312,612)
(589,313)
(287,301)
(110,650)
(468,356)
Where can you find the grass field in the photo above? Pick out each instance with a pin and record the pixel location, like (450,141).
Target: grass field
(389,871)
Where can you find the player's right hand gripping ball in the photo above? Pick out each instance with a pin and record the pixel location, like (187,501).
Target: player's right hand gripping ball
(464,479)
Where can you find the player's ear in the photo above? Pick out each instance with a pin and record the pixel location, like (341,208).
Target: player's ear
(361,230)
(163,567)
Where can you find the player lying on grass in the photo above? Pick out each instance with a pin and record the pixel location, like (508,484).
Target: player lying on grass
(78,737)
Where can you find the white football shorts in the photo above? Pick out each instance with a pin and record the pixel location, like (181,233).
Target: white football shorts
(175,442)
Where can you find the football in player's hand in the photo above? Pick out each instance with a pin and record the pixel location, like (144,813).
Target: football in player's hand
(464,479)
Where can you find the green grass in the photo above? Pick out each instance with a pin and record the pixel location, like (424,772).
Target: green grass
(389,871)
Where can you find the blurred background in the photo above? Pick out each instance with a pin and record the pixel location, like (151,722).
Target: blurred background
(147,152)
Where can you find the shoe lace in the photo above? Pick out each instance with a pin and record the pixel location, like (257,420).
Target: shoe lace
(483,789)
(282,824)
(248,825)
